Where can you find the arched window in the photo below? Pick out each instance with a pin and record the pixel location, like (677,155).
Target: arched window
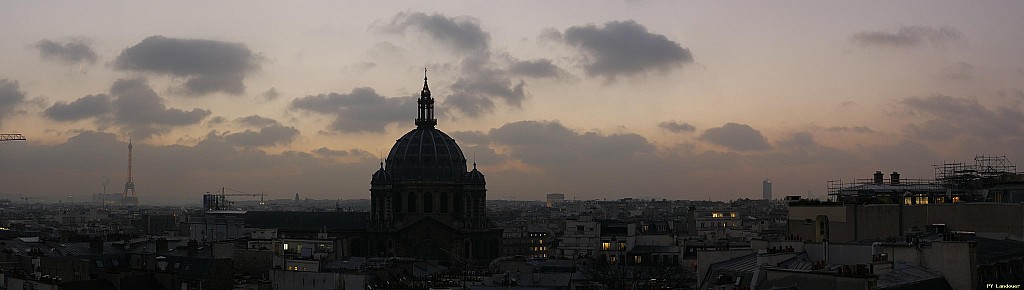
(428,202)
(458,203)
(397,203)
(374,205)
(443,202)
(412,202)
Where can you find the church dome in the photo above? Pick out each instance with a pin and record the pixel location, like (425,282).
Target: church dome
(381,176)
(426,153)
(475,177)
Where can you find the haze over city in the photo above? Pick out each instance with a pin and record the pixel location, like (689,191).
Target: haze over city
(652,99)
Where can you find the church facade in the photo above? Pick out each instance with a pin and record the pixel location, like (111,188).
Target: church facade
(424,201)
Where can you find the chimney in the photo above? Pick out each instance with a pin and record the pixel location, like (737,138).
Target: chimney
(161,245)
(193,247)
(879,177)
(96,246)
(894,178)
(161,263)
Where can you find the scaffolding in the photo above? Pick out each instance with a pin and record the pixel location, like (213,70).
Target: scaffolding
(963,175)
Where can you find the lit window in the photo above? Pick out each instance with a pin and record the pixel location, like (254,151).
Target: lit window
(716,214)
(606,246)
(956,199)
(638,259)
(622,246)
(922,199)
(285,246)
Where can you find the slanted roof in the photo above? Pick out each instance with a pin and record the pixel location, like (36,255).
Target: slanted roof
(742,267)
(991,251)
(746,263)
(906,276)
(798,262)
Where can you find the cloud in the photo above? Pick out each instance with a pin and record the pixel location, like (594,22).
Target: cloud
(138,108)
(270,94)
(272,135)
(210,66)
(81,162)
(216,121)
(624,48)
(10,97)
(71,52)
(481,78)
(855,129)
(362,110)
(257,121)
(461,34)
(83,108)
(538,68)
(798,140)
(676,127)
(470,137)
(735,136)
(480,83)
(944,117)
(545,142)
(960,71)
(327,152)
(906,37)
(472,106)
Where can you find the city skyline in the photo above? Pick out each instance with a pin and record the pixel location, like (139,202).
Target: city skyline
(650,99)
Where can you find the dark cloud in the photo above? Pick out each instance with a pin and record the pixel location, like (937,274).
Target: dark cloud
(538,68)
(83,108)
(461,34)
(624,48)
(142,113)
(10,97)
(272,135)
(907,36)
(855,129)
(677,127)
(541,142)
(736,137)
(481,78)
(960,71)
(210,66)
(216,121)
(71,52)
(944,117)
(257,121)
(471,105)
(270,94)
(480,83)
(362,110)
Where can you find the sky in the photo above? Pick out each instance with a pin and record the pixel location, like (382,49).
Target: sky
(594,99)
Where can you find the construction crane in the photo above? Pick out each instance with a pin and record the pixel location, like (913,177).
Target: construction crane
(12,137)
(218,201)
